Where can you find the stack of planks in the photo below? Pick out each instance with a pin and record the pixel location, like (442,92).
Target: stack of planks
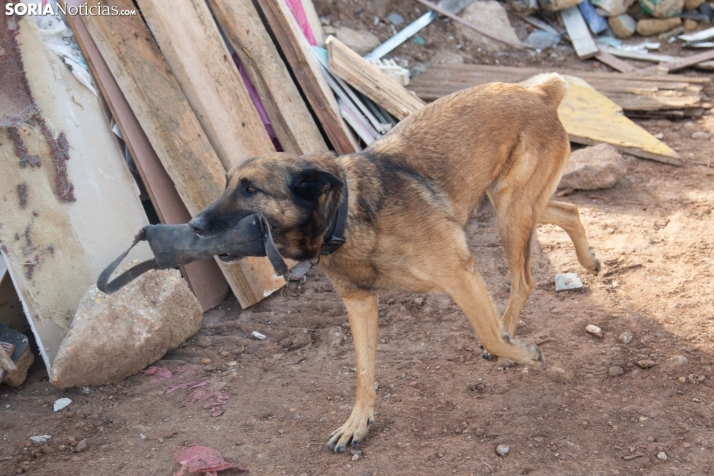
(173,87)
(668,95)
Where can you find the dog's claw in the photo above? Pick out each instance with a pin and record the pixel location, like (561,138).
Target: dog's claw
(486,355)
(351,434)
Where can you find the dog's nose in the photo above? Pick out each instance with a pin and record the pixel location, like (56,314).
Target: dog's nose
(198,225)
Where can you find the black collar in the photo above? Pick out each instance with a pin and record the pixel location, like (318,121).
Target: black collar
(335,236)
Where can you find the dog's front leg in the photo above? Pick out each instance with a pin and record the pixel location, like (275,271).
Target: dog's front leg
(362,311)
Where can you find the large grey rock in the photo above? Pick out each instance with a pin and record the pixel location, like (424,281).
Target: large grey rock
(492,17)
(359,41)
(591,168)
(114,336)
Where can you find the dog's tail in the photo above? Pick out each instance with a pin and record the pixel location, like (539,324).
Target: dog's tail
(552,85)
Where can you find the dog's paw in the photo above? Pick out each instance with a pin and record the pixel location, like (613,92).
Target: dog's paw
(592,264)
(352,433)
(535,359)
(486,355)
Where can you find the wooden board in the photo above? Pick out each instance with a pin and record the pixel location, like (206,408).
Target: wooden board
(370,81)
(682,63)
(200,62)
(614,62)
(204,276)
(293,124)
(306,69)
(632,91)
(579,32)
(173,130)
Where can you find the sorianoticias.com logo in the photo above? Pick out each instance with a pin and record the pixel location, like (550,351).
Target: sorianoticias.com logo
(48,8)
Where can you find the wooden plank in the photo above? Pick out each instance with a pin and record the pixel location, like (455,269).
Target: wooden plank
(370,81)
(641,56)
(698,36)
(614,62)
(204,276)
(305,68)
(200,62)
(579,33)
(682,63)
(293,124)
(155,97)
(314,20)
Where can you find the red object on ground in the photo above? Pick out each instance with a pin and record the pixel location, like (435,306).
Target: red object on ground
(201,459)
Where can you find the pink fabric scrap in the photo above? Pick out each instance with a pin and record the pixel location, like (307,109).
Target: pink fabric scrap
(201,459)
(162,373)
(298,12)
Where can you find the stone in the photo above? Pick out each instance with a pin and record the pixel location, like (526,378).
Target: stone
(594,330)
(623,26)
(678,360)
(612,8)
(662,456)
(625,337)
(615,371)
(359,41)
(61,403)
(40,439)
(543,39)
(557,5)
(23,364)
(692,4)
(701,135)
(662,8)
(490,16)
(690,25)
(592,168)
(567,281)
(646,363)
(654,26)
(115,336)
(502,450)
(395,19)
(203,341)
(258,335)
(205,361)
(557,374)
(81,446)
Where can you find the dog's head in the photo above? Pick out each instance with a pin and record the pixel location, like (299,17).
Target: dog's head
(298,196)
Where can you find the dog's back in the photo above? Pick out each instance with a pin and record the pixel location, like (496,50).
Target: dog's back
(470,141)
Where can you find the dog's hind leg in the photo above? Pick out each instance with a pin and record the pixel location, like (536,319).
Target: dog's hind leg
(362,312)
(468,290)
(567,217)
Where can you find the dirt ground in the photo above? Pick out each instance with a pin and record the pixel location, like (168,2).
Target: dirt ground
(440,408)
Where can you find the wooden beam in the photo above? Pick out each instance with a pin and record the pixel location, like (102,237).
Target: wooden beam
(370,81)
(614,62)
(293,124)
(306,69)
(175,134)
(682,63)
(204,276)
(579,32)
(200,62)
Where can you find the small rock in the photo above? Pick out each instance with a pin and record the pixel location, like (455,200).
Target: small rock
(258,335)
(395,19)
(596,167)
(646,363)
(692,4)
(359,41)
(594,330)
(625,337)
(492,17)
(224,353)
(615,371)
(151,315)
(662,456)
(557,374)
(356,452)
(502,450)
(69,415)
(61,403)
(623,26)
(71,440)
(567,281)
(701,135)
(690,25)
(205,361)
(654,26)
(61,447)
(203,341)
(238,350)
(48,450)
(679,360)
(40,439)
(81,446)
(76,458)
(355,457)
(662,8)
(543,39)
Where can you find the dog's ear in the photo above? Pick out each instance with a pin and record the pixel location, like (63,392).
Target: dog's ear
(313,182)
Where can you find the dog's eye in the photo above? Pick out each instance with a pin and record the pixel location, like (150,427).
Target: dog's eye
(250,189)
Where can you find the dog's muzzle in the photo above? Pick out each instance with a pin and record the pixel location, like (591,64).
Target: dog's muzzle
(174,245)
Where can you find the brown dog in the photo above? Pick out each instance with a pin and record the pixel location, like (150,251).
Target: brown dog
(410,195)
